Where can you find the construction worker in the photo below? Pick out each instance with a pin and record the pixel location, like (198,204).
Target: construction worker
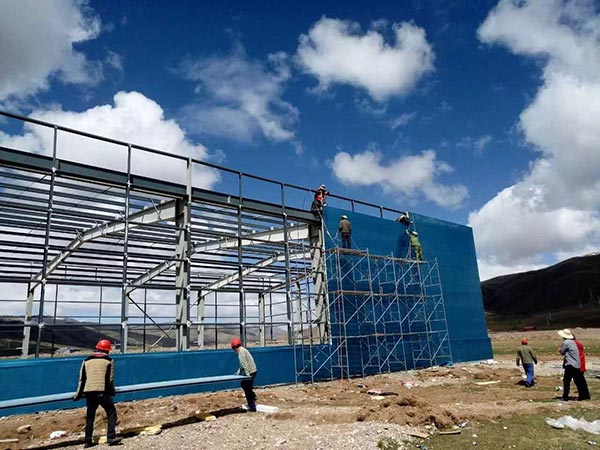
(415,244)
(319,202)
(248,368)
(526,357)
(345,229)
(584,392)
(404,219)
(97,385)
(572,366)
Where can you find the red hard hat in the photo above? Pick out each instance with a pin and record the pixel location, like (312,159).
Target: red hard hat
(524,341)
(235,343)
(103,344)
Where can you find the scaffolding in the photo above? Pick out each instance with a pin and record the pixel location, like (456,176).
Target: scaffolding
(385,314)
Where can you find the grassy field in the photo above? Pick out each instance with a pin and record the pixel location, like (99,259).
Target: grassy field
(545,343)
(519,432)
(586,316)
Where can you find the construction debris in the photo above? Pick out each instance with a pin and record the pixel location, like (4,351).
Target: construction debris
(487,383)
(417,433)
(57,434)
(575,424)
(24,429)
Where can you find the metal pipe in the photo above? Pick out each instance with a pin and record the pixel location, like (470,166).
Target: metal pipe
(28,401)
(46,245)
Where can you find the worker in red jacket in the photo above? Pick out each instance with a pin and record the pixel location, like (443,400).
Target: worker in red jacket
(585,395)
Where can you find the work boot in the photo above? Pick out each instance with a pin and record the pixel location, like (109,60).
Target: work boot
(115,441)
(88,444)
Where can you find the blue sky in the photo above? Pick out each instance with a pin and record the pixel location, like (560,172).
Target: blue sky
(483,113)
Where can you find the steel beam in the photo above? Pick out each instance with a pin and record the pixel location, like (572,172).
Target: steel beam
(152,214)
(182,266)
(272,236)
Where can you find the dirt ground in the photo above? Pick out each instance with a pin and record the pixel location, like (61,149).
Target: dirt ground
(337,414)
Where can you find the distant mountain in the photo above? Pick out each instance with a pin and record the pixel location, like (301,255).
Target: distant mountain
(75,335)
(574,283)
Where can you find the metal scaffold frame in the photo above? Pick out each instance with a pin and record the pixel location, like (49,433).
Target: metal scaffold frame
(386,314)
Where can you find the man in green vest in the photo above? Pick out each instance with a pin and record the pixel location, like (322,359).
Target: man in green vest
(415,244)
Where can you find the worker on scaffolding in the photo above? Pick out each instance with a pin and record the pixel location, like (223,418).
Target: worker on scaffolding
(404,219)
(415,245)
(345,230)
(319,202)
(247,368)
(97,385)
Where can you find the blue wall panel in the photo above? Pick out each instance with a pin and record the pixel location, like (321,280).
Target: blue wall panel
(45,376)
(453,247)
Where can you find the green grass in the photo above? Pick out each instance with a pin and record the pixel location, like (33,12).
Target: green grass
(542,347)
(587,316)
(522,433)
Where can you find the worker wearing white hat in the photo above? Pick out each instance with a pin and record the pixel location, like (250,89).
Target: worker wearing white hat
(572,364)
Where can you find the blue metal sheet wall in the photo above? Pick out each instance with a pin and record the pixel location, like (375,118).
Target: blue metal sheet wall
(46,376)
(454,248)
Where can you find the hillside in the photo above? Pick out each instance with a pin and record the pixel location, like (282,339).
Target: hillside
(569,289)
(76,335)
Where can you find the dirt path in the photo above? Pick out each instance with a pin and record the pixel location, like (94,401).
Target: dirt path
(330,415)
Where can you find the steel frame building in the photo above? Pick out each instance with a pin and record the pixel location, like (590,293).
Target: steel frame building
(176,265)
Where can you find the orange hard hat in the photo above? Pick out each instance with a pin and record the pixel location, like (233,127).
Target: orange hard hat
(235,343)
(104,345)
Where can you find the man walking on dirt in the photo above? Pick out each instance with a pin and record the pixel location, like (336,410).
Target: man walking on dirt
(572,365)
(97,385)
(248,368)
(526,357)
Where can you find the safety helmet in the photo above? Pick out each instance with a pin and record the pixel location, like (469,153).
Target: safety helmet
(322,186)
(235,343)
(344,216)
(415,233)
(524,341)
(104,345)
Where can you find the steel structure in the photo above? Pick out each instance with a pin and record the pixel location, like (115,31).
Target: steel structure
(160,264)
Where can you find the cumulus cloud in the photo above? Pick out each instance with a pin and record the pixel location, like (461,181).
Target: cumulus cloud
(37,43)
(553,210)
(411,176)
(133,118)
(241,98)
(338,52)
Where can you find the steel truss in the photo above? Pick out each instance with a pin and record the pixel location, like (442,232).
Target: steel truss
(151,264)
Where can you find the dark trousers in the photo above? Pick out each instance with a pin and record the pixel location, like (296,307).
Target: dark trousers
(93,400)
(345,240)
(248,387)
(571,373)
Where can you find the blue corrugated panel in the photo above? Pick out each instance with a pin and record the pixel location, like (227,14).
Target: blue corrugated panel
(452,245)
(275,366)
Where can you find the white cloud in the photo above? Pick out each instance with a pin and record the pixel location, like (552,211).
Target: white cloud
(336,51)
(554,209)
(133,118)
(402,120)
(412,176)
(37,40)
(240,97)
(478,145)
